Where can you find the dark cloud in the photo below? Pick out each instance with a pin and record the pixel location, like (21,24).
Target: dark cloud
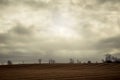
(108,1)
(109,43)
(21,30)
(108,5)
(35,4)
(111,5)
(3,38)
(18,33)
(14,43)
(4,2)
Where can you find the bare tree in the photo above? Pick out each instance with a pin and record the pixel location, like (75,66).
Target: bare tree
(51,61)
(115,59)
(40,60)
(78,61)
(9,62)
(89,62)
(111,59)
(71,61)
(22,62)
(108,58)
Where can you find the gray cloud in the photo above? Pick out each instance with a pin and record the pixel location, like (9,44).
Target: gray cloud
(3,38)
(107,1)
(101,5)
(21,30)
(110,43)
(17,33)
(4,2)
(34,4)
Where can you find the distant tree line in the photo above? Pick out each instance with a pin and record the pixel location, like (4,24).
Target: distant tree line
(108,59)
(111,59)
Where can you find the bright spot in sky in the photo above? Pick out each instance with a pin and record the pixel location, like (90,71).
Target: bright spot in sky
(62,25)
(64,32)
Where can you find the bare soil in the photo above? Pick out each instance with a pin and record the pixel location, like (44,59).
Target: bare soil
(60,72)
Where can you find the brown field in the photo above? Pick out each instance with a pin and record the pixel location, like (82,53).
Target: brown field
(60,72)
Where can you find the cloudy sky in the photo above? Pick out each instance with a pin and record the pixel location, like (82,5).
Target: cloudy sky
(59,29)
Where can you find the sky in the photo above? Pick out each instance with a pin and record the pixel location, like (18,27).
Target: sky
(59,29)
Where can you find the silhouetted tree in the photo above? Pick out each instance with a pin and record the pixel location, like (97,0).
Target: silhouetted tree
(51,61)
(89,62)
(40,60)
(9,62)
(71,61)
(111,59)
(115,59)
(108,58)
(22,62)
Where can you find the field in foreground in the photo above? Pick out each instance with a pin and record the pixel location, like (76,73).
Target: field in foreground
(61,72)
